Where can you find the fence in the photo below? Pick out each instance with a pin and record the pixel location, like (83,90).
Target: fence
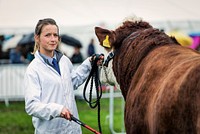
(11,89)
(11,82)
(112,96)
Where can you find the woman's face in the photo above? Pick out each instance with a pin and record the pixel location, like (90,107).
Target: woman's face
(48,40)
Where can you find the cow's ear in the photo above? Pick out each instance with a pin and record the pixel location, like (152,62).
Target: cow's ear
(105,37)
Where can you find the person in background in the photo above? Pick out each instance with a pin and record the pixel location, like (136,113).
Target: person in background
(1,44)
(49,82)
(91,48)
(29,56)
(77,57)
(15,55)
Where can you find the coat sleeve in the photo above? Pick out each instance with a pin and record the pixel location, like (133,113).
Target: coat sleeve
(33,104)
(81,73)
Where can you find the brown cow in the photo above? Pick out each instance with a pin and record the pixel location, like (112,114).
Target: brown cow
(159,79)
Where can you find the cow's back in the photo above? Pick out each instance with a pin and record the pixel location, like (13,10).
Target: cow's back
(164,93)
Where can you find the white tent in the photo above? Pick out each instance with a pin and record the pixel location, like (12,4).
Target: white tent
(26,13)
(79,17)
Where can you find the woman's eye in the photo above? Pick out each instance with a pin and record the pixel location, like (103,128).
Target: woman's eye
(56,35)
(47,35)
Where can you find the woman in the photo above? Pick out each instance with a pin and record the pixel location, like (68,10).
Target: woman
(49,96)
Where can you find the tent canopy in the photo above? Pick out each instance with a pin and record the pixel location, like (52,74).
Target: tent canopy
(26,13)
(78,18)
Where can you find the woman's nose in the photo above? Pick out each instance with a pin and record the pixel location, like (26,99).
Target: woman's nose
(53,38)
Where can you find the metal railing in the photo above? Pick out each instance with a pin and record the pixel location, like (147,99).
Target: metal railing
(11,89)
(111,111)
(11,82)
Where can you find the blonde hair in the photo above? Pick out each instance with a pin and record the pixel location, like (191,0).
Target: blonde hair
(38,30)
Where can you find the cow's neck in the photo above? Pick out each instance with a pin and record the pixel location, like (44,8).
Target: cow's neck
(128,58)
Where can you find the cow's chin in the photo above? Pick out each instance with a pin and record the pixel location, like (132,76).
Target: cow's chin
(107,75)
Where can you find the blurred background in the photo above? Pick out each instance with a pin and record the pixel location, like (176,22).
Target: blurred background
(76,20)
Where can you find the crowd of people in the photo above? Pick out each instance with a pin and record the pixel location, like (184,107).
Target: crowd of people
(77,56)
(15,54)
(23,54)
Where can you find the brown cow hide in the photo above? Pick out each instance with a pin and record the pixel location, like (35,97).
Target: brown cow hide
(159,80)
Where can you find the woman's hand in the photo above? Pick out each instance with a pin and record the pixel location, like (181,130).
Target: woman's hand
(98,58)
(65,113)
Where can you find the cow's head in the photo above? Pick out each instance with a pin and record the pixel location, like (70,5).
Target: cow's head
(107,39)
(112,39)
(115,40)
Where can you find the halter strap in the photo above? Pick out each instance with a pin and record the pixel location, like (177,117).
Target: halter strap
(109,57)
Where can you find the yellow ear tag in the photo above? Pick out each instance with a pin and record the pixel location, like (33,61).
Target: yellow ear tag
(106,42)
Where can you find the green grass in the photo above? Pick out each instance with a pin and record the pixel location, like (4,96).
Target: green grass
(14,120)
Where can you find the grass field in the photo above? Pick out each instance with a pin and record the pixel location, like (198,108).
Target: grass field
(14,120)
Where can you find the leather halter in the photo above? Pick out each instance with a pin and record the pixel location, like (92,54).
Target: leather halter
(109,57)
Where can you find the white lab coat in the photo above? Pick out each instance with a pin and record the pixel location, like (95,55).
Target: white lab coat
(47,92)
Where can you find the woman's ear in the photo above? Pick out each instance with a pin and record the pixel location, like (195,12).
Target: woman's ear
(59,39)
(36,37)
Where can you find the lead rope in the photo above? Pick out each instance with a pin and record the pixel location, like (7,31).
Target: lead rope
(94,76)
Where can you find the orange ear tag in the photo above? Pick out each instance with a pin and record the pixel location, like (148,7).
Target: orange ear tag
(106,42)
